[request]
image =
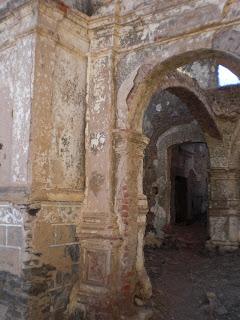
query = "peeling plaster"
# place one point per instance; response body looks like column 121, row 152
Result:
column 16, row 75
column 10, row 215
column 97, row 141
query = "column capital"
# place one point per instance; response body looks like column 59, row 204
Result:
column 122, row 136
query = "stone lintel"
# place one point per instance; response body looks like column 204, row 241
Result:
column 99, row 225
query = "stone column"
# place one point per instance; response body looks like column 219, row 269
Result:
column 224, row 208
column 98, row 230
column 144, row 287
column 98, row 218
column 131, row 208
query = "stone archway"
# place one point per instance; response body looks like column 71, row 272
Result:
column 180, row 85
column 134, row 92
column 133, row 96
column 130, row 145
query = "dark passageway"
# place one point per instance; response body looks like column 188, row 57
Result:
column 189, row 183
column 189, row 163
column 181, row 199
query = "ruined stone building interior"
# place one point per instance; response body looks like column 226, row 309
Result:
column 119, row 159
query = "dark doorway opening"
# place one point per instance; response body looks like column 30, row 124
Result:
column 181, row 199
column 189, row 191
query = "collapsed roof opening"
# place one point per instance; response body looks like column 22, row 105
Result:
column 226, row 77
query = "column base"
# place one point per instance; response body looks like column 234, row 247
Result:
column 84, row 311
column 222, row 246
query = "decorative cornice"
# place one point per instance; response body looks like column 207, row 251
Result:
column 80, row 21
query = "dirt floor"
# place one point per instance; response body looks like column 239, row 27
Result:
column 190, row 283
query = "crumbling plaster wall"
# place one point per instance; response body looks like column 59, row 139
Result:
column 15, row 178
column 124, row 7
column 58, row 156
column 43, row 96
column 8, row 6
column 16, row 89
column 92, row 7
column 204, row 71
column 16, row 95
column 59, row 163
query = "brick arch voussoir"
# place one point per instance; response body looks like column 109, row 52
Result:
column 181, row 85
column 225, row 50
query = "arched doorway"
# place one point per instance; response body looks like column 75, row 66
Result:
column 175, row 182
column 189, row 203
column 189, row 183
column 145, row 83
column 186, row 90
column 182, row 181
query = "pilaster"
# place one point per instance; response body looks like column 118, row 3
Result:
column 99, row 231
column 131, row 207
column 224, row 216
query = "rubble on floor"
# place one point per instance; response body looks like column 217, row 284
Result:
column 190, row 283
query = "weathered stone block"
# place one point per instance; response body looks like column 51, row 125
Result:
column 64, row 234
column 10, row 260
column 3, row 311
column 234, row 228
column 219, row 228
column 3, row 235
column 14, row 236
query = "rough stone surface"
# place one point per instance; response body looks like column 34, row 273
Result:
column 209, row 283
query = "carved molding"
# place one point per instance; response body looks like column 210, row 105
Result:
column 229, row 112
column 99, row 225
column 124, row 137
column 10, row 215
